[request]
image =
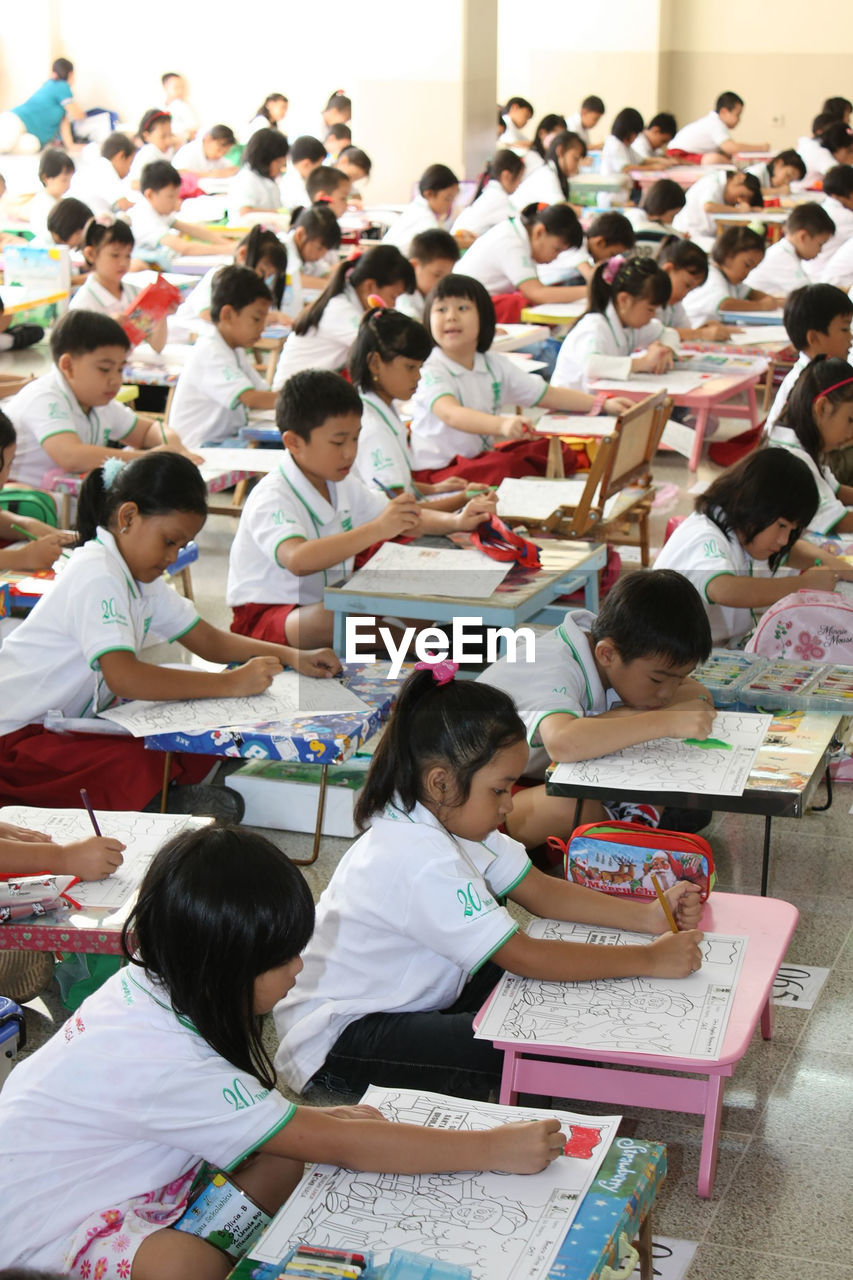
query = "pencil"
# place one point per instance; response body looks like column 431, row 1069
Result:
column 87, row 803
column 664, row 905
column 31, row 537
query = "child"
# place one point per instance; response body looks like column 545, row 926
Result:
column 263, row 253
column 66, row 223
column 836, row 146
column 811, row 151
column 439, row 189
column 549, row 182
column 100, row 184
column 433, row 255
column 24, row 852
column 818, row 418
column 108, row 250
column 639, row 650
column 314, row 234
column 661, row 202
column 159, row 234
column 734, row 255
column 330, row 186
column 30, row 556
column 338, row 137
column 355, row 164
column 56, row 170
column 748, row 524
column 656, row 137
column 159, row 1053
column 463, row 387
column 270, row 113
column 505, row 259
column 218, row 385
column 491, row 203
column 687, row 267
column 324, row 331
column 184, row 119
column 80, row 649
column 517, row 115
column 807, row 230
column 338, row 110
column 304, row 523
column 206, row 155
column 48, row 111
column 618, row 154
column 155, row 135
column 838, row 109
column 584, row 121
column 777, row 174
column 255, row 188
column 306, row 154
column 709, row 140
column 388, row 990
column 546, row 131
column 838, row 189
column 624, row 296
column 608, row 235
column 817, row 320
column 719, row 192
column 67, row 418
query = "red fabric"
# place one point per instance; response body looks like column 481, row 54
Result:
column 684, row 157
column 262, row 621
column 727, row 452
column 48, row 769
column 509, row 306
column 609, row 577
column 526, row 457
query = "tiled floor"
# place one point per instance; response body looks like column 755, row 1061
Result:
column 781, row 1205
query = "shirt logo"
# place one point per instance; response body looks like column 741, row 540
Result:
column 110, row 612
column 711, row 550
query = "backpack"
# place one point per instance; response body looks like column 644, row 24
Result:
column 30, row 502
column 619, row 858
column 816, row 626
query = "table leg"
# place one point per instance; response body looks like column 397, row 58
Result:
column 508, row 1095
column 644, row 1248
column 765, row 862
column 699, row 438
column 752, row 406
column 767, row 1019
column 590, row 591
column 710, row 1135
column 164, row 791
column 822, row 808
column 318, row 826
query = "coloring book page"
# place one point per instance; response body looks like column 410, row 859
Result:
column 398, row 570
column 677, row 382
column 718, row 768
column 142, row 833
column 573, row 424
column 502, row 1226
column 672, row 1017
column 219, row 462
column 532, row 499
column 289, row 695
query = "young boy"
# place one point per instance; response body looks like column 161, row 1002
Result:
column 638, row 651
column 781, row 270
column 584, row 121
column 336, row 140
column 433, row 254
column 66, row 223
column 709, row 140
column 32, row 125
column 656, row 136
column 207, row 154
column 100, row 184
column 777, row 174
column 331, row 186
column 218, row 385
column 516, row 117
column 306, row 154
column 184, row 119
column 158, row 234
column 56, row 170
column 304, row 523
column 720, row 192
column 608, row 234
column 66, row 419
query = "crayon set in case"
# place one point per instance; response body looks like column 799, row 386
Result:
column 315, row 1262
column 750, row 680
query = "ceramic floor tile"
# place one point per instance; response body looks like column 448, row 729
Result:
column 811, row 1092
column 830, row 1023
column 714, row 1262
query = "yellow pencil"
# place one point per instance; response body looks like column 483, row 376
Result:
column 664, row 905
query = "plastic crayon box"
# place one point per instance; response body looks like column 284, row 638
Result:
column 750, row 680
column 309, row 1262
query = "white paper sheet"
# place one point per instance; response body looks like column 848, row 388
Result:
column 499, row 1225
column 563, row 310
column 671, row 764
column 575, row 424
column 289, row 695
column 533, row 499
column 678, row 382
column 429, row 571
column 756, row 333
column 253, row 461
column 677, row 1017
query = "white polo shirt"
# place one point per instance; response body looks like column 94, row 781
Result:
column 148, row 227
column 674, row 316
column 501, row 258
column 704, row 304
column 786, row 386
column 780, row 271
column 701, row 135
column 51, row 661
column 646, row 227
column 417, row 216
column 839, row 269
column 830, row 507
column 292, row 301
column 147, row 154
column 286, row 505
column 383, row 447
column 187, row 318
column 693, row 220
column 292, row 190
column 700, row 551
column 249, row 189
column 493, row 382
column 327, row 345
column 814, row 157
column 492, row 206
column 600, row 346
column 409, row 915
column 48, row 407
column 412, row 305
column 207, row 405
column 184, row 118
column 191, row 157
column 542, row 186
column 818, row 268
column 92, row 296
column 563, row 680
column 125, row 1098
column 98, row 185
column 644, row 149
column 617, row 157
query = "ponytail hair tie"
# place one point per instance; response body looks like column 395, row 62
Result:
column 354, row 256
column 443, row 670
column 105, row 219
column 542, row 205
column 374, row 300
column 322, row 198
column 111, row 470
column 611, row 267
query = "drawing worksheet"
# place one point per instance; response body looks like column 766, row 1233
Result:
column 289, row 695
column 502, row 1226
column 677, row 383
column 252, row 461
column 532, row 499
column 718, row 768
column 677, row 1017
column 427, row 571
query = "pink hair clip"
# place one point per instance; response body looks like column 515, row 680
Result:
column 611, row 267
column 105, row 219
column 442, row 670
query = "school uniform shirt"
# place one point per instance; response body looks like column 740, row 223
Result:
column 830, row 507
column 207, row 405
column 617, row 156
column 149, row 227
column 98, row 185
column 409, row 915
column 249, row 189
column 51, row 661
column 703, row 304
column 146, row 154
column 492, row 206
column 532, row 161
column 762, row 173
column 191, row 157
column 187, row 319
column 839, row 269
column 327, row 345
column 785, row 388
column 644, row 149
column 692, row 220
column 819, row 268
column 673, row 315
column 286, row 505
column 493, row 382
column 48, row 407
column 540, row 187
column 292, row 190
column 565, row 268
column 125, row 1098
column 780, row 271
column 412, row 305
column 501, row 258
column 92, row 296
column 416, row 217
column 511, row 133
column 700, row 551
column 184, row 119
column 258, row 122
column 600, row 346
column 383, row 445
column 645, row 228
column 701, row 135
column 38, row 212
column 292, row 300
column 814, row 157
column 563, row 680
column 573, row 124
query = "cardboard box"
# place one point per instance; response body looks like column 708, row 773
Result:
column 284, row 795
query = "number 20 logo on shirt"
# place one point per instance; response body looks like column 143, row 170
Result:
column 470, row 900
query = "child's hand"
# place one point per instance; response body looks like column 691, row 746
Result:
column 690, row 719
column 400, row 516
column 94, row 858
column 513, row 427
column 454, row 483
column 255, row 676
column 685, row 901
column 475, row 512
column 675, row 955
column 614, row 405
column 316, row 662
column 714, row 331
column 817, row 579
column 10, row 832
column 770, row 303
column 41, row 554
column 525, row 1146
column 464, row 238
column 657, row 359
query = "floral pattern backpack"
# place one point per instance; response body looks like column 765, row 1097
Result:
column 813, row 626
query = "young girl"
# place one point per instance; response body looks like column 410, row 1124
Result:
column 254, row 190
column 108, row 250
column 491, row 203
column 505, row 259
column 734, row 254
column 410, row 935
column 546, row 131
column 746, row 526
column 80, row 649
column 314, row 233
column 171, row 1073
column 817, row 419
column 661, row 202
column 439, row 189
column 624, row 297
column 458, row 403
column 549, row 183
column 263, row 253
column 618, row 154
column 324, row 332
column 155, row 136
column 270, row 113
column 687, row 267
column 47, row 543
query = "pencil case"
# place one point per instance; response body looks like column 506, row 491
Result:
column 621, row 858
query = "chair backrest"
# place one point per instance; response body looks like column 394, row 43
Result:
column 636, row 438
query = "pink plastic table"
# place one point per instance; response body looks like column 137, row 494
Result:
column 554, row 1070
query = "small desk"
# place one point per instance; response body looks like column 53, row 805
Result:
column 684, row 174
column 69, row 486
column 773, row 220
column 778, row 353
column 21, row 297
column 768, row 924
column 560, row 314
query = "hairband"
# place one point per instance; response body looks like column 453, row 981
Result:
column 843, row 383
column 111, row 470
column 611, row 266
column 443, row 670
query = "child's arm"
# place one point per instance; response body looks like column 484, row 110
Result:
column 256, row 399
column 90, row 859
column 568, row 401
column 68, row 451
column 712, row 331
column 470, row 517
column 41, row 554
column 845, row 495
column 554, row 899
column 568, row 737
column 8, row 532
column 216, row 645
column 195, row 231
column 128, row 677
column 152, row 433
column 732, row 148
column 536, row 292
column 448, row 410
column 808, row 555
column 302, row 556
column 740, row 592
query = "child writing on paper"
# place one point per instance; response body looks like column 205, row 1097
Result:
column 735, row 253
column 687, row 267
column 314, row 234
column 709, row 140
column 306, row 154
column 159, row 234
column 25, row 852
column 584, row 121
column 254, row 189
column 838, row 190
column 638, row 651
column 81, row 649
column 304, row 523
column 808, row 229
column 491, row 203
column 546, row 131
column 624, row 297
column 160, row 1066
column 607, row 235
column 747, row 525
column 100, row 183
column 656, row 136
column 47, row 543
column 719, row 192
column 505, row 259
column 337, row 138
column 206, row 155
column 108, row 249
column 262, row 252
column 464, row 387
column 66, row 223
column 549, row 182
column 517, row 115
column 411, row 935
column 439, row 188
column 776, row 175
column 433, row 255
column 618, row 154
column 661, row 202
